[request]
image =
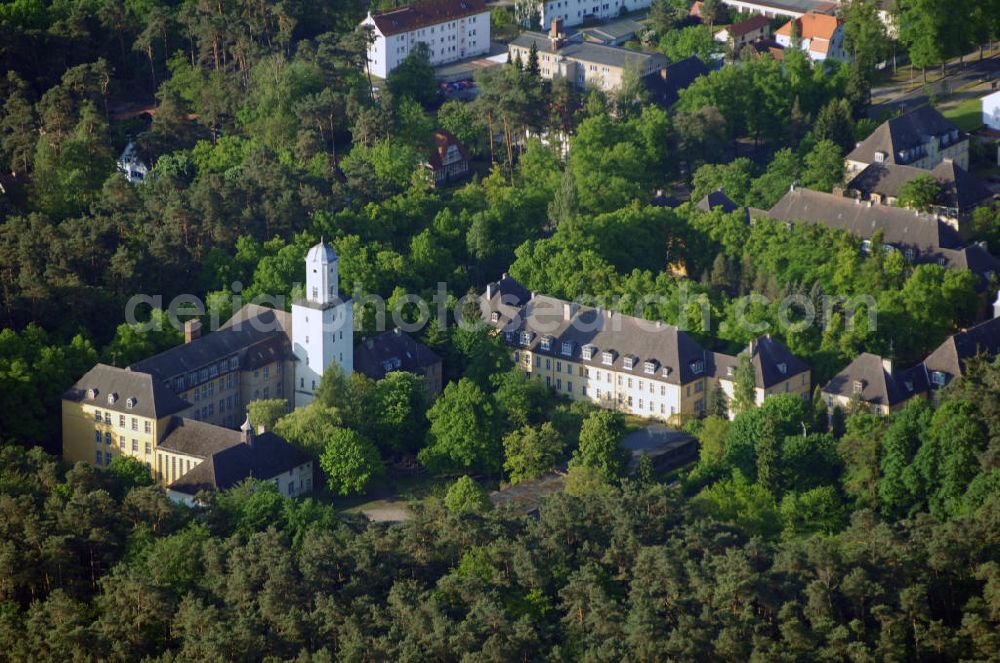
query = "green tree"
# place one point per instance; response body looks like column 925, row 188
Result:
column 823, row 167
column 463, row 432
column 819, row 510
column 465, row 495
column 414, row 77
column 865, row 35
column 836, row 124
column 349, row 461
column 744, row 385
column 601, row 445
column 530, row 452
column 920, row 193
column 267, row 412
column 129, row 473
column 693, row 40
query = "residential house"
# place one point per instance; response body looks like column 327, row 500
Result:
column 921, row 238
column 991, row 110
column 132, row 165
column 738, row 35
column 719, row 200
column 960, row 191
column 873, row 382
column 575, row 12
column 394, row 350
column 876, row 384
column 646, row 368
column 820, row 36
column 922, row 138
column 451, row 29
column 449, row 160
column 583, row 63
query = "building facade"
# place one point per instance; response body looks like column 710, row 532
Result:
column 640, row 367
column 451, row 29
column 922, row 138
column 820, row 36
column 583, row 63
column 322, row 325
column 576, row 12
column 395, row 350
column 991, row 110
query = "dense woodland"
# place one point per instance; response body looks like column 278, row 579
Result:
column 794, row 537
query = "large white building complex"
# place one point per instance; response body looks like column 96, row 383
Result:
column 451, row 29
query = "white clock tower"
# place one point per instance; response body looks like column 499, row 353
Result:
column 322, row 325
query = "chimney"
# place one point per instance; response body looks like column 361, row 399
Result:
column 753, row 346
column 246, row 432
column 192, row 330
column 887, row 365
column 838, row 191
column 567, row 311
column 792, row 187
column 491, row 290
column 663, row 73
column 556, row 29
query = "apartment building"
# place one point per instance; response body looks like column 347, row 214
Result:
column 641, row 367
column 575, row 12
column 451, row 29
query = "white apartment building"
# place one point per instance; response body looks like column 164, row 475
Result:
column 451, row 29
column 575, row 12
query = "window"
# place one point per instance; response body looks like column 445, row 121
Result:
column 107, row 439
column 97, row 415
column 267, row 372
column 135, row 445
column 607, row 358
column 588, row 351
column 699, row 387
column 121, row 443
column 149, row 447
column 937, row 377
column 135, row 424
column 97, row 436
column 121, row 421
column 495, row 316
column 147, row 427
column 97, row 457
column 130, row 403
column 627, row 362
column 569, row 387
column 546, row 343
column 234, row 363
column 782, row 368
column 567, row 348
column 697, row 367
column 526, row 337
column 649, row 367
column 859, row 386
column 558, row 367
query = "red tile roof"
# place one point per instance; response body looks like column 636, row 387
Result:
column 422, row 14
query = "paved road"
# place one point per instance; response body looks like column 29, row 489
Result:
column 973, row 72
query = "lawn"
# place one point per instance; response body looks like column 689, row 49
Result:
column 967, row 115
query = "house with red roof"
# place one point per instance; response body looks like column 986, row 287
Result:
column 820, row 36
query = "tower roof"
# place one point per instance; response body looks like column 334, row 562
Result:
column 322, row 252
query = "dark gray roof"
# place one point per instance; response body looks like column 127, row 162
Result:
column 774, row 363
column 901, row 138
column 959, row 189
column 197, row 438
column 267, row 457
column 666, row 84
column 375, row 356
column 717, row 199
column 610, row 56
column 246, row 329
column 152, row 399
column 879, row 386
column 950, row 357
column 673, row 352
column 421, row 14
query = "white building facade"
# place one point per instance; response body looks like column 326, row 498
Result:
column 322, row 325
column 575, row 12
column 452, row 30
column 991, row 110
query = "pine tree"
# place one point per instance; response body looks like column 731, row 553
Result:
column 644, row 472
column 533, row 70
column 745, row 387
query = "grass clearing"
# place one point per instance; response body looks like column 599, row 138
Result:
column 967, row 115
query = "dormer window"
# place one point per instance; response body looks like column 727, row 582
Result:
column 130, row 403
column 782, row 368
column 649, row 367
column 880, row 157
column 937, row 377
column 698, row 367
column 92, row 393
column 628, row 362
column 666, row 371
column 730, row 371
column 910, row 254
column 495, row 316
column 859, row 386
column 391, row 364
column 588, row 352
column 546, row 343
column 526, row 337
column 866, row 246
column 112, row 397
column 567, row 348
column 607, row 358
column 908, row 385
